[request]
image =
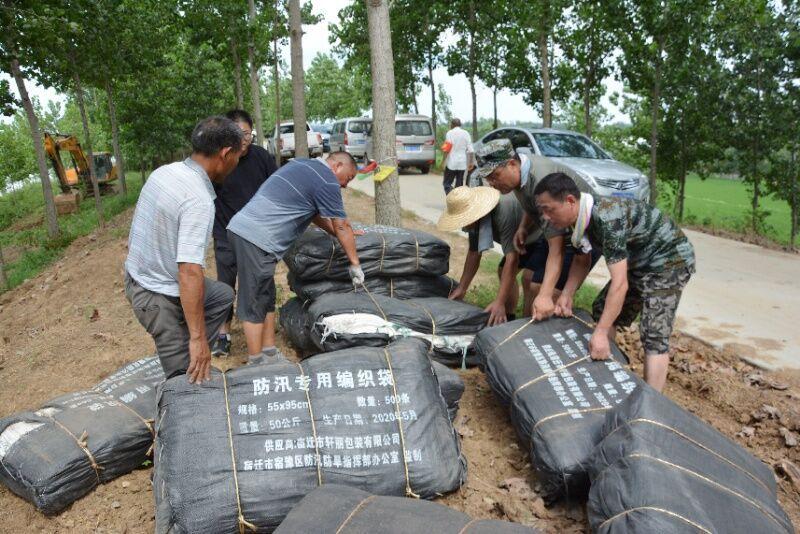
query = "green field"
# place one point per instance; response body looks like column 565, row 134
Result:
column 717, row 203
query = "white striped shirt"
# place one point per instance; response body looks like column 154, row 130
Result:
column 172, row 224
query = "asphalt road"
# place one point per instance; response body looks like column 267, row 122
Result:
column 743, row 298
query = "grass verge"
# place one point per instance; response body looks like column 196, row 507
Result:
column 26, row 246
column 482, row 295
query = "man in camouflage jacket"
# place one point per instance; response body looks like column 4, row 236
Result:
column 540, row 246
column 649, row 258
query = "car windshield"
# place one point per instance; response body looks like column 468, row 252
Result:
column 412, row 128
column 289, row 128
column 358, row 127
column 568, row 146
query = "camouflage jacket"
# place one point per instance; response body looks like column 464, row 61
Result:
column 629, row 229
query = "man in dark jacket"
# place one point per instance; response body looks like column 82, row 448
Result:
column 255, row 166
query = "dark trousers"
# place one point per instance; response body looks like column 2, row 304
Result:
column 449, row 177
column 226, row 267
column 162, row 317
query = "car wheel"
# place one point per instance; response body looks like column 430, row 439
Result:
column 425, row 169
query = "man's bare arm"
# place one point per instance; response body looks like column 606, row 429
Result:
column 344, row 233
column 471, row 264
column 615, row 298
column 191, row 282
column 325, row 224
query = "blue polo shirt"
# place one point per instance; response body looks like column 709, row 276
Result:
column 284, row 205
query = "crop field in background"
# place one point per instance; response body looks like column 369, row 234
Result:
column 717, row 203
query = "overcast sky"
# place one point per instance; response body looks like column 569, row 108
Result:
column 509, row 106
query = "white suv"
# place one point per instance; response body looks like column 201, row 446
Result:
column 285, row 142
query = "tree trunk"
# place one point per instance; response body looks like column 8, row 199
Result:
column 793, row 175
column 433, row 93
column 587, row 107
column 112, row 114
column 474, row 108
column 655, row 104
column 544, row 59
column 277, row 81
column 414, row 102
column 143, row 169
column 387, row 192
column 298, row 81
column 41, row 159
column 756, row 146
column 472, row 68
column 494, row 102
column 756, row 198
column 255, row 90
column 3, row 278
column 87, row 136
column 237, row 73
column 681, row 193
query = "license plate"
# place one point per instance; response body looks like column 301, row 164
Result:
column 413, row 148
column 622, row 194
column 361, row 141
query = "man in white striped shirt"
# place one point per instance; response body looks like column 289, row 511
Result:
column 164, row 280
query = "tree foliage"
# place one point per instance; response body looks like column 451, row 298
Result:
column 334, row 91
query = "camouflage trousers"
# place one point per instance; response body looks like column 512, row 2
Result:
column 656, row 297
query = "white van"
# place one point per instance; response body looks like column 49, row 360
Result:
column 414, row 142
column 350, row 135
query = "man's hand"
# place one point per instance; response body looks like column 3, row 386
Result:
column 199, row 361
column 458, row 293
column 497, row 313
column 543, row 307
column 356, row 274
column 599, row 347
column 564, row 306
column 520, row 237
column 358, row 232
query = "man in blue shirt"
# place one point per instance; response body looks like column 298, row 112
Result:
column 302, row 191
column 255, row 166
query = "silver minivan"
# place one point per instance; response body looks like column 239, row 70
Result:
column 350, row 135
column 414, row 142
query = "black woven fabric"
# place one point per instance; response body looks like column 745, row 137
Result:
column 333, row 509
column 382, row 251
column 557, row 395
column 40, row 457
column 366, row 433
column 435, row 316
column 399, row 287
column 661, row 469
column 293, row 322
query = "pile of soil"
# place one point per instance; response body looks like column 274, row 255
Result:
column 70, row 326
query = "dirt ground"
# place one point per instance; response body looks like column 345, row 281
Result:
column 71, row 326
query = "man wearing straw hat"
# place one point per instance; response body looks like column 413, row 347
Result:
column 490, row 217
column 541, row 246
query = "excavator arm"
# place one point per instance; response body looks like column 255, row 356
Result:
column 78, row 175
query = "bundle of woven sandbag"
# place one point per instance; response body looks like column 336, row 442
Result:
column 404, row 295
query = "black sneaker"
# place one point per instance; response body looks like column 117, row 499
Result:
column 221, row 346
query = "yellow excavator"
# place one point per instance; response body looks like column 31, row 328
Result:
column 77, row 176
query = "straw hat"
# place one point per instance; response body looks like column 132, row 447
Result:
column 465, row 205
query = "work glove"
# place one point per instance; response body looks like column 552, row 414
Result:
column 356, row 275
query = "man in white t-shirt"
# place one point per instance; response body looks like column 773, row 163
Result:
column 460, row 156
